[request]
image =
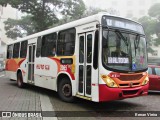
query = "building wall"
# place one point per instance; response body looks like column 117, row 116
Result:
column 2, row 53
column 5, row 13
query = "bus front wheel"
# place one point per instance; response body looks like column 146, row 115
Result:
column 65, row 90
column 20, row 80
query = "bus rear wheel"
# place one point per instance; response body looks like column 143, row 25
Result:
column 65, row 90
column 20, row 80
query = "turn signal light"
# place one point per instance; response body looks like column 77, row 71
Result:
column 104, row 76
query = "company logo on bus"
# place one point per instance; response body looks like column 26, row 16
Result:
column 131, row 84
column 42, row 67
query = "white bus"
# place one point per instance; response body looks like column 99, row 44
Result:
column 98, row 58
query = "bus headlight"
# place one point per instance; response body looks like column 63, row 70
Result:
column 109, row 81
column 146, row 80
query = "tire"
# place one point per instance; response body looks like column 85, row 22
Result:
column 65, row 90
column 20, row 80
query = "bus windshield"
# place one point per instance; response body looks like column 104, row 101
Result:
column 124, row 51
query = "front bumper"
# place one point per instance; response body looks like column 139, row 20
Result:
column 109, row 94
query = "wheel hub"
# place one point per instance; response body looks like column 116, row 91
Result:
column 66, row 90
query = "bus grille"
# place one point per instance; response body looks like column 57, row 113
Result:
column 131, row 77
column 128, row 85
column 130, row 92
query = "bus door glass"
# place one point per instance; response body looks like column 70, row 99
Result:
column 31, row 59
column 85, row 63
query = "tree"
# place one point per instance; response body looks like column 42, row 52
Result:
column 73, row 9
column 149, row 25
column 19, row 28
column 93, row 10
column 154, row 11
column 41, row 10
column 43, row 13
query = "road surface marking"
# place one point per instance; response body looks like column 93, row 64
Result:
column 46, row 106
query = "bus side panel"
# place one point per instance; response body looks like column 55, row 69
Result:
column 11, row 68
column 46, row 71
column 12, row 65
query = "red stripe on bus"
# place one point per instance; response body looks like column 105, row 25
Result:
column 20, row 62
column 58, row 65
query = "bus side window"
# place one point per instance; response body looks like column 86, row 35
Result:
column 23, row 51
column 39, row 42
column 9, row 51
column 16, row 50
column 49, row 45
column 66, row 42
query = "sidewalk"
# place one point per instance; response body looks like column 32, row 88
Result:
column 13, row 98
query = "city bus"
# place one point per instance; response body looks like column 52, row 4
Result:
column 98, row 58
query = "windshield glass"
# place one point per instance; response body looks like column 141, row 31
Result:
column 124, row 51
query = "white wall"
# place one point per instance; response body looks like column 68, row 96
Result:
column 8, row 12
column 5, row 13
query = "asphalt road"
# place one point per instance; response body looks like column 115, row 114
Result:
column 87, row 110
column 119, row 108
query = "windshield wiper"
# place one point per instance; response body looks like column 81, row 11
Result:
column 126, row 41
column 121, row 36
column 136, row 42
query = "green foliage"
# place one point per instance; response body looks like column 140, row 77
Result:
column 19, row 28
column 154, row 11
column 151, row 26
column 92, row 11
column 73, row 9
column 40, row 11
column 43, row 13
column 148, row 26
column 157, row 41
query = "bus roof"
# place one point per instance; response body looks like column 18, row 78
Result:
column 93, row 18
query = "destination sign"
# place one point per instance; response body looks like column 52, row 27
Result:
column 118, row 60
column 122, row 23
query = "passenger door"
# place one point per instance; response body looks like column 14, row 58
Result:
column 30, row 62
column 85, row 63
